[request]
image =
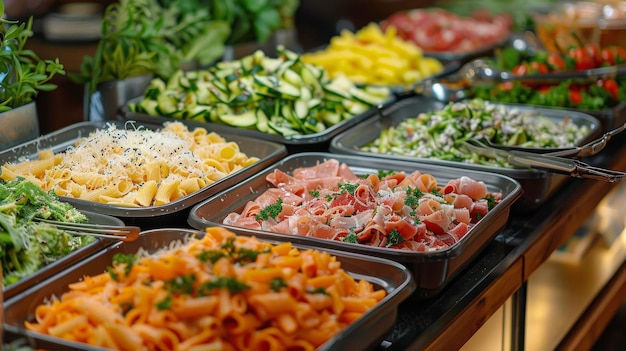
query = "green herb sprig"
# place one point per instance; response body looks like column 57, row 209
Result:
column 23, row 74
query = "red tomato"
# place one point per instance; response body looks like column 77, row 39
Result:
column 520, row 70
column 620, row 54
column 612, row 55
column 610, row 86
column 582, row 58
column 575, row 97
column 538, row 68
column 555, row 62
column 608, row 56
column 506, row 86
column 594, row 52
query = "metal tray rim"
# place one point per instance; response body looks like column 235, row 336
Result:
column 379, row 314
column 404, row 255
column 277, row 151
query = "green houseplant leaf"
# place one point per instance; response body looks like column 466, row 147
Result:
column 24, row 74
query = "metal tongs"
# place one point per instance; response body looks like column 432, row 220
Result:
column 574, row 168
column 123, row 233
column 480, row 72
column 587, row 150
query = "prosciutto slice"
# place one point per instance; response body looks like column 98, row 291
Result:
column 398, row 211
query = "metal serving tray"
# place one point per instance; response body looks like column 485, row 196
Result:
column 365, row 333
column 172, row 214
column 431, row 270
column 64, row 262
column 298, row 143
column 538, row 185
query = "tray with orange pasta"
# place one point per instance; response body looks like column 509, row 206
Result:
column 145, row 174
column 431, row 218
column 183, row 289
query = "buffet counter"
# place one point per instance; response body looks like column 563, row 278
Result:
column 501, row 272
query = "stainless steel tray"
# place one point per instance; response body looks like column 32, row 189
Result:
column 174, row 213
column 431, row 270
column 538, row 185
column 298, row 143
column 65, row 262
column 364, row 333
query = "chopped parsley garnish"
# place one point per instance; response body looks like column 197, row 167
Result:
column 384, row 173
column 329, row 198
column 272, row 210
column 129, row 260
column 164, row 304
column 411, row 201
column 394, row 238
column 232, row 284
column 347, row 187
column 182, row 284
column 277, row 283
column 210, row 255
column 314, row 193
column 351, row 238
column 491, row 201
column 229, row 250
column 436, row 193
column 414, row 191
column 317, row 291
column 113, row 274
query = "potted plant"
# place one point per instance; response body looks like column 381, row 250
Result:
column 142, row 39
column 22, row 76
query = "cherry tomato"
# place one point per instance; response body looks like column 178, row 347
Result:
column 608, row 57
column 575, row 97
column 620, row 54
column 520, row 70
column 612, row 55
column 506, row 86
column 594, row 51
column 610, row 86
column 538, row 68
column 555, row 62
column 582, row 58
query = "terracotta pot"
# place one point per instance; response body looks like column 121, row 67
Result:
column 19, row 125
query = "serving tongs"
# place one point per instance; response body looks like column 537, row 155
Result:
column 587, row 150
column 123, row 233
column 480, row 72
column 574, row 168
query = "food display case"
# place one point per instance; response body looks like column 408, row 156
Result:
column 437, row 300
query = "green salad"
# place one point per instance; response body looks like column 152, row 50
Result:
column 440, row 134
column 27, row 245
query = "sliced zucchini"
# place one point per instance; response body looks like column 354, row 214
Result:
column 261, row 121
column 301, row 109
column 293, row 78
column 148, row 106
column 281, row 127
column 242, row 120
column 364, row 97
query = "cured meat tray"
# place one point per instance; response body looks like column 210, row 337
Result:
column 65, row 262
column 148, row 217
column 364, row 333
column 431, row 270
column 538, row 185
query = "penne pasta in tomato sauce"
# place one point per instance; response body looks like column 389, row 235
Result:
column 217, row 292
column 397, row 210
